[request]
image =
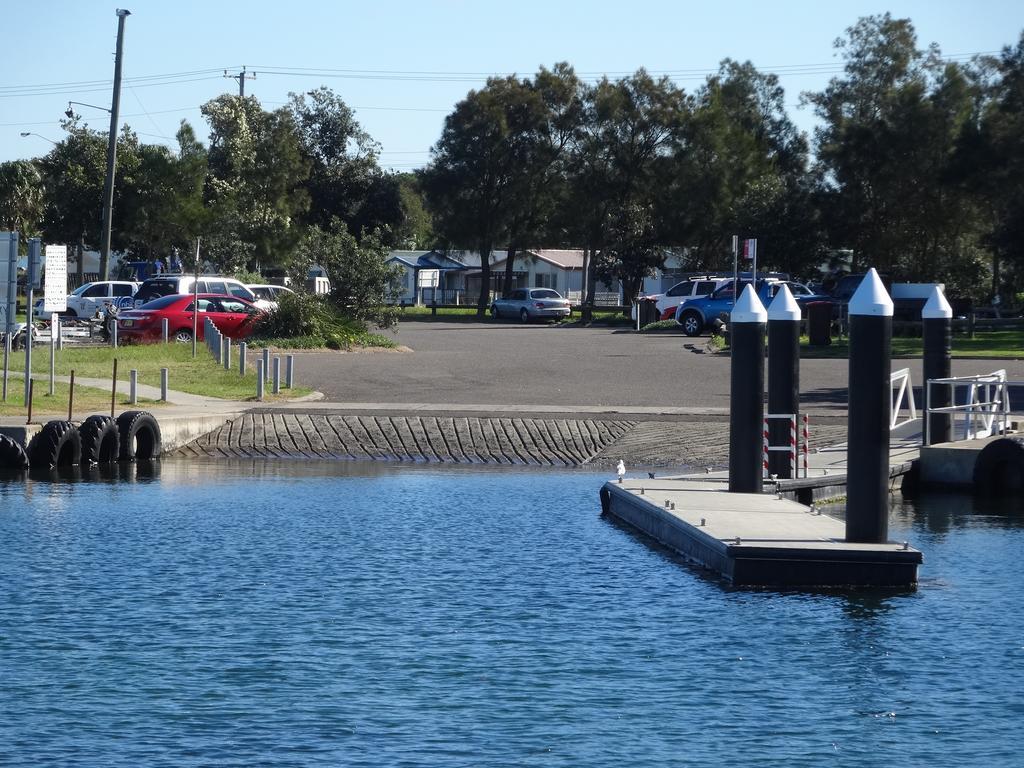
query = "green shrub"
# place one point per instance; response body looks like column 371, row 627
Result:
column 305, row 314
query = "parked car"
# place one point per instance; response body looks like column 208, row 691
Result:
column 170, row 285
column 233, row 316
column 267, row 295
column 691, row 288
column 88, row 298
column 530, row 303
column 696, row 314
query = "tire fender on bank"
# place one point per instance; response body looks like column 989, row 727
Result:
column 140, row 436
column 101, row 440
column 999, row 468
column 12, row 454
column 57, row 444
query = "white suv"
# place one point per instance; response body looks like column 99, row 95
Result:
column 168, row 285
column 85, row 300
column 691, row 288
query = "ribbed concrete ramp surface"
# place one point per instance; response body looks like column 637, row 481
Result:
column 461, row 440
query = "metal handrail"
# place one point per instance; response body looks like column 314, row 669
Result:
column 906, row 392
column 988, row 400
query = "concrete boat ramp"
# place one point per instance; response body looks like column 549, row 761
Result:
column 766, row 539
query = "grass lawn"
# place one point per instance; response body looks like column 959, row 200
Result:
column 199, row 376
column 45, row 406
column 1006, row 344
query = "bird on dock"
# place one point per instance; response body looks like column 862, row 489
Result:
column 650, row 475
column 620, row 470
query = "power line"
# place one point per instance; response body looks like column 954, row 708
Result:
column 213, row 73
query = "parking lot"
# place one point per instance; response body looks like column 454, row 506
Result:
column 505, row 363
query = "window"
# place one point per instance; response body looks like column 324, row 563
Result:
column 123, row 289
column 704, row 287
column 239, row 291
column 95, row 290
column 263, row 292
column 231, row 305
column 544, row 280
column 163, row 302
column 545, row 294
column 680, row 289
column 213, row 286
column 519, row 295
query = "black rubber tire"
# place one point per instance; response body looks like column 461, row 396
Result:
column 692, row 323
column 999, row 468
column 524, row 315
column 140, row 436
column 182, row 336
column 57, row 444
column 12, row 454
column 101, row 440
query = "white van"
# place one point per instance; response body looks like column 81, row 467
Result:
column 85, row 300
column 168, row 285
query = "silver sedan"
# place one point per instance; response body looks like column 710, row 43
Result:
column 530, row 303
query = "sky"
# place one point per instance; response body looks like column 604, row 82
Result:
column 402, row 66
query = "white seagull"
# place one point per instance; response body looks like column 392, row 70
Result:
column 620, row 470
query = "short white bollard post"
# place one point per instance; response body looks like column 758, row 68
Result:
column 133, row 386
column 277, row 376
column 266, row 364
column 163, row 384
column 259, row 380
column 227, row 353
column 163, row 329
column 289, row 371
column 242, row 348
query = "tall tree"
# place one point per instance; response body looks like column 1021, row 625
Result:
column 991, row 160
column 21, row 197
column 891, row 127
column 163, row 206
column 345, row 180
column 255, row 184
column 619, row 159
column 476, row 166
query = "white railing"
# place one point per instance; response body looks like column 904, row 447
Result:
column 901, row 389
column 986, row 406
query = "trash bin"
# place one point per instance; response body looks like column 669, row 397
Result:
column 819, row 323
column 647, row 310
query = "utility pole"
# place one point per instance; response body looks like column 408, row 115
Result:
column 241, row 77
column 108, row 186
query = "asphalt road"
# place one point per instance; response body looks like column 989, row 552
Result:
column 489, row 363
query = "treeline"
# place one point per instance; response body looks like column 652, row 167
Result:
column 915, row 169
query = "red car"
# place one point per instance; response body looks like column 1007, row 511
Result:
column 234, row 317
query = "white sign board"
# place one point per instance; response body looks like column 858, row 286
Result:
column 8, row 277
column 429, row 278
column 55, row 291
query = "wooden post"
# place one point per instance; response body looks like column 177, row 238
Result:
column 29, row 419
column 113, row 390
column 71, row 396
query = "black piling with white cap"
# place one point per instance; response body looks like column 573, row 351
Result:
column 867, row 474
column 783, row 376
column 746, row 394
column 937, row 319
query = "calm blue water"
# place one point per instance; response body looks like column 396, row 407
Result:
column 339, row 615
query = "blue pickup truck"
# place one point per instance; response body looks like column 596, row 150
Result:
column 696, row 314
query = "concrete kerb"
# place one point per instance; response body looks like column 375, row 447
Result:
column 182, row 419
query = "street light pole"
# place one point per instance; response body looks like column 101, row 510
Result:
column 108, row 186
